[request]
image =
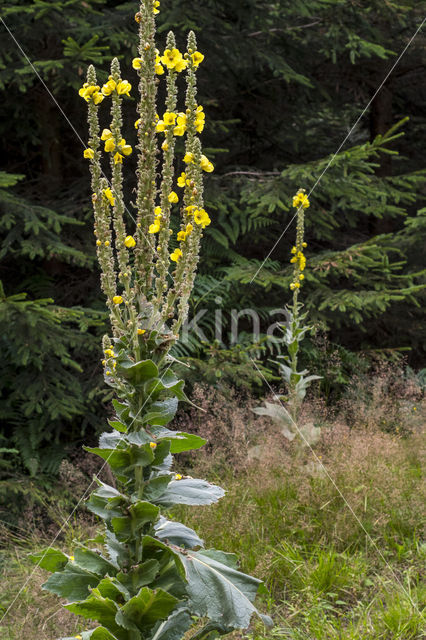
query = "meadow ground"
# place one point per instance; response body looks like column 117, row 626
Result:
column 336, row 535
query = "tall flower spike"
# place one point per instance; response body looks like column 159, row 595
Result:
column 169, row 119
column 147, row 148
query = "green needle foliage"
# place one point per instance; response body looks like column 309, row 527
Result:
column 146, row 576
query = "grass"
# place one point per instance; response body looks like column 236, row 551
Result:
column 333, row 571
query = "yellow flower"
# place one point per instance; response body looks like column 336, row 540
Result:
column 98, row 243
column 181, row 119
column 300, row 199
column 89, row 153
column 130, row 242
column 137, row 123
column 182, row 179
column 158, row 212
column 206, row 165
column 109, row 353
column 160, row 126
column 179, row 130
column 165, row 146
column 199, row 119
column 78, row 637
column 124, row 148
column 189, row 228
column 153, row 445
column 159, row 70
column 71, row 558
column 171, row 57
column 293, row 250
column 181, row 65
column 169, row 118
column 197, row 57
column 109, row 145
column 109, row 196
column 90, row 92
column 155, row 7
column 106, row 134
column 188, row 158
column 141, row 332
column 190, row 209
column 173, row 197
column 301, row 277
column 117, row 299
column 294, row 259
column 106, row 243
column 176, row 255
column 154, row 228
column 109, row 86
column 304, row 244
column 201, row 217
column 178, row 476
column 137, row 63
column 118, row 158
column 181, row 236
column 123, row 88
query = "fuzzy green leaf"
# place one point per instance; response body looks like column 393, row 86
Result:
column 180, row 441
column 219, row 591
column 101, row 609
column 93, row 562
column 146, row 608
column 140, row 514
column 137, row 372
column 192, row 491
column 161, row 412
column 140, row 576
column 49, row 559
column 177, row 533
column 174, row 627
column 73, row 583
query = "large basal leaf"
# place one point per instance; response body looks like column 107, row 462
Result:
column 180, row 441
column 177, row 533
column 174, row 627
column 101, row 609
column 145, row 609
column 220, row 592
column 49, row 559
column 72, row 583
column 192, row 491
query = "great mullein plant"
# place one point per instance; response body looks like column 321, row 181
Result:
column 146, row 576
column 286, row 412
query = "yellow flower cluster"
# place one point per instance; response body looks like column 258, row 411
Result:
column 121, row 149
column 300, row 199
column 122, row 87
column 300, row 259
column 182, row 235
column 205, row 163
column 173, row 197
column 159, row 69
column 155, row 227
column 155, row 6
column 183, row 180
column 91, row 92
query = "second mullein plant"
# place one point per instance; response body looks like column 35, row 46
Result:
column 286, row 412
column 146, row 576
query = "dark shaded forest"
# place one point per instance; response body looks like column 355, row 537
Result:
column 325, row 95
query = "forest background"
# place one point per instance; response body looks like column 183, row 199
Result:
column 283, row 83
